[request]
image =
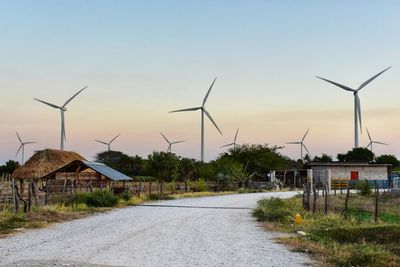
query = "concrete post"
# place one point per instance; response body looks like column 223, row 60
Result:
column 310, row 179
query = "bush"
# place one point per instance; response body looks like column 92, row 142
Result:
column 162, row 196
column 200, row 185
column 364, row 188
column 99, row 198
column 362, row 255
column 273, row 210
column 10, row 221
column 126, row 195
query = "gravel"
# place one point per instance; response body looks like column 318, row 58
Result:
column 186, row 232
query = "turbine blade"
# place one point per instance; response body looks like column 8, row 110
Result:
column 177, row 142
column 19, row 149
column 28, row 143
column 369, row 136
column 185, row 109
column 371, row 79
column 19, row 138
column 208, row 92
column 227, row 145
column 358, row 106
column 165, row 138
column 69, row 100
column 304, row 137
column 380, row 143
column 234, row 140
column 47, row 103
column 211, row 119
column 100, row 142
column 337, row 84
column 114, row 139
column 293, row 143
column 308, row 152
column 370, row 143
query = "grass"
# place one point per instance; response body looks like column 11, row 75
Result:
column 335, row 239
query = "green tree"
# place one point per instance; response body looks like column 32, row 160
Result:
column 388, row 159
column 9, row 167
column 238, row 172
column 323, row 158
column 359, row 154
column 120, row 162
column 163, row 166
column 186, row 170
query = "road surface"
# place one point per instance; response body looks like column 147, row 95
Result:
column 209, row 231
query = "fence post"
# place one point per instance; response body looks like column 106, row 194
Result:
column 346, row 202
column 14, row 196
column 326, row 199
column 376, row 201
column 304, row 196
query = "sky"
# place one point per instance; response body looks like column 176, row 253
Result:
column 142, row 59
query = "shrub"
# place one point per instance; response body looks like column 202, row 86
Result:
column 99, row 198
column 200, row 185
column 273, row 210
column 10, row 221
column 364, row 188
column 162, row 196
column 126, row 195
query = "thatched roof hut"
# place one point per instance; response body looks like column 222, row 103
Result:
column 44, row 162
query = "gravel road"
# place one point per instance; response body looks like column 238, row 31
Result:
column 209, row 231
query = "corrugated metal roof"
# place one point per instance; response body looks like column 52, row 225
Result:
column 107, row 171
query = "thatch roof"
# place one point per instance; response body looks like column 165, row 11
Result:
column 44, row 162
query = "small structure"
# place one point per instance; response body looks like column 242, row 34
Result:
column 81, row 174
column 328, row 171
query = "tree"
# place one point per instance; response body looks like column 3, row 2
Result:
column 163, row 166
column 323, row 158
column 120, row 162
column 359, row 154
column 388, row 159
column 186, row 170
column 9, row 167
column 238, row 172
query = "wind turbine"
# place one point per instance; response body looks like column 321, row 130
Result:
column 373, row 142
column 22, row 146
column 169, row 150
column 62, row 109
column 203, row 111
column 357, row 105
column 108, row 144
column 234, row 141
column 301, row 143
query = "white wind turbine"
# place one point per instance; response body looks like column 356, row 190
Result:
column 301, row 143
column 108, row 144
column 22, row 146
column 203, row 111
column 357, row 105
column 169, row 150
column 373, row 142
column 234, row 141
column 62, row 109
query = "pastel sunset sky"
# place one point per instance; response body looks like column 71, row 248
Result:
column 142, row 59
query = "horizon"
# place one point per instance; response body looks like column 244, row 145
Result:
column 142, row 60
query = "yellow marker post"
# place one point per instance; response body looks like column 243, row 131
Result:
column 297, row 218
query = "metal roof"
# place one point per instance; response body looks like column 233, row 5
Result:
column 106, row 171
column 346, row 164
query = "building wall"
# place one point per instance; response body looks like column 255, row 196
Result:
column 364, row 172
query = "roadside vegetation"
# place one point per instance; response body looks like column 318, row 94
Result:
column 339, row 238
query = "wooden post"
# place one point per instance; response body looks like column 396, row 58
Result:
column 29, row 195
column 376, row 202
column 46, row 197
column 314, row 199
column 308, row 197
column 326, row 200
column 14, row 196
column 35, row 197
column 346, row 203
column 150, row 188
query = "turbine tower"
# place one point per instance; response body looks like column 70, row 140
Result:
column 357, row 105
column 22, row 146
column 203, row 111
column 62, row 109
column 108, row 144
column 169, row 150
column 301, row 143
column 373, row 142
column 234, row 141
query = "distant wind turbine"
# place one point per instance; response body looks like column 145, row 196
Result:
column 301, row 143
column 203, row 111
column 357, row 104
column 373, row 142
column 62, row 109
column 108, row 144
column 234, row 141
column 169, row 150
column 22, row 146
